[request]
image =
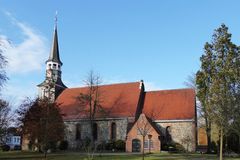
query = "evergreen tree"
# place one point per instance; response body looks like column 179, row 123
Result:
column 203, row 82
column 217, row 83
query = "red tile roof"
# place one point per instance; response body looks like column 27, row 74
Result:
column 170, row 104
column 119, row 100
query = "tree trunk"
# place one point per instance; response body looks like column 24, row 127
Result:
column 209, row 141
column 143, row 148
column 221, row 145
column 45, row 154
column 239, row 143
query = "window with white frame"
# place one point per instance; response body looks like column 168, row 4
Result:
column 148, row 143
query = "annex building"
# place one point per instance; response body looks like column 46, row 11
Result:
column 169, row 114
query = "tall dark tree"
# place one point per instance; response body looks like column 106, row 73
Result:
column 41, row 123
column 203, row 81
column 216, row 81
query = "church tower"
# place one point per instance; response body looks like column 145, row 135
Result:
column 52, row 86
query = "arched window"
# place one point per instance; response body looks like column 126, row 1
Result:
column 113, row 131
column 78, row 132
column 136, row 145
column 95, row 131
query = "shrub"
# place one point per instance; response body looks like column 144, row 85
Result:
column 86, row 142
column 51, row 146
column 164, row 147
column 17, row 147
column 110, row 145
column 175, row 147
column 120, row 145
column 101, row 146
column 63, row 145
column 179, row 147
column 214, row 148
column 5, row 147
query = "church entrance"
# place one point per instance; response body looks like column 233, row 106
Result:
column 136, row 145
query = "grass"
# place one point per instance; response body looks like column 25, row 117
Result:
column 80, row 156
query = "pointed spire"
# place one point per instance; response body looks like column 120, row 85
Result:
column 54, row 54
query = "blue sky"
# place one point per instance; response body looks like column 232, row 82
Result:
column 124, row 41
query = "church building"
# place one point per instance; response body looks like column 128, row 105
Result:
column 169, row 114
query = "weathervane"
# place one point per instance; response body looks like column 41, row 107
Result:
column 56, row 19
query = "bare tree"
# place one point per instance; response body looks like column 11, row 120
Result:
column 191, row 81
column 90, row 104
column 3, row 63
column 143, row 128
column 4, row 106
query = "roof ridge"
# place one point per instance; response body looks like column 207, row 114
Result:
column 123, row 83
column 179, row 89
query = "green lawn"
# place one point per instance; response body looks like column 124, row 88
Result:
column 120, row 156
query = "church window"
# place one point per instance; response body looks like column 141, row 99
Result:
column 95, row 131
column 151, row 143
column 113, row 131
column 78, row 132
column 148, row 143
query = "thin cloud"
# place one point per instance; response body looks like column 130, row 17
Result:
column 29, row 54
column 150, row 86
column 15, row 93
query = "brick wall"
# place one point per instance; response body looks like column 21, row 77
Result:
column 134, row 134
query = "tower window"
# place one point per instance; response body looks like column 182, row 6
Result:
column 54, row 66
column 49, row 66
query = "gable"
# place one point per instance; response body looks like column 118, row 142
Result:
column 144, row 124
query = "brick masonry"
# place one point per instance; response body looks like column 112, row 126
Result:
column 134, row 134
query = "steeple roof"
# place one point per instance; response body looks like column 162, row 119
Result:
column 54, row 53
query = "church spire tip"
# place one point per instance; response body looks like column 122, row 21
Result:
column 54, row 54
column 55, row 20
